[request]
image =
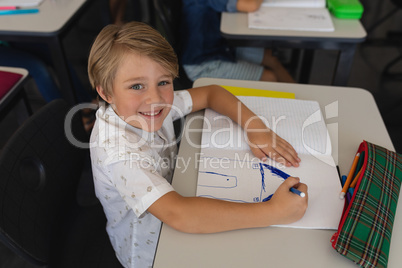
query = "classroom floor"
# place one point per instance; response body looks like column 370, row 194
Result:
column 367, row 73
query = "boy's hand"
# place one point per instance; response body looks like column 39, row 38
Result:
column 289, row 207
column 264, row 143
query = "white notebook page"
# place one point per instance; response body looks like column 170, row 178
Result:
column 289, row 18
column 294, row 3
column 229, row 171
column 299, row 122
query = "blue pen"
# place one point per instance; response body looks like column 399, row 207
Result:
column 343, row 179
column 283, row 175
column 351, row 191
column 295, row 191
column 19, row 11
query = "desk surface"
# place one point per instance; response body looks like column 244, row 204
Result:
column 235, row 25
column 52, row 17
column 358, row 119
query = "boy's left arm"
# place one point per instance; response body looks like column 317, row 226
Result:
column 263, row 141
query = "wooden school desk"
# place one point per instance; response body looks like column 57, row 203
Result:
column 351, row 117
column 347, row 34
column 48, row 26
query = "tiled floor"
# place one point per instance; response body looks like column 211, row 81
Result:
column 369, row 63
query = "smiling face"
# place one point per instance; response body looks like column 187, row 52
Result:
column 142, row 93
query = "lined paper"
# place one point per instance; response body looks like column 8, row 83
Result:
column 294, row 3
column 299, row 122
column 290, row 18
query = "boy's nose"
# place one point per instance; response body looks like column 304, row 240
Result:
column 153, row 96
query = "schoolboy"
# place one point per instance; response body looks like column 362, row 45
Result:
column 206, row 53
column 132, row 68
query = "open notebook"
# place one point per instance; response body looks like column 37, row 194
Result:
column 294, row 3
column 229, row 171
column 297, row 15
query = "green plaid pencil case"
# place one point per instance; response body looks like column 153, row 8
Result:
column 365, row 229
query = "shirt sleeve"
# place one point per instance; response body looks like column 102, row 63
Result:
column 231, row 6
column 222, row 5
column 138, row 183
column 182, row 104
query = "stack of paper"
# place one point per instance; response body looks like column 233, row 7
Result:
column 308, row 15
column 294, row 3
column 229, row 171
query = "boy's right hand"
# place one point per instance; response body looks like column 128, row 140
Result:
column 289, row 207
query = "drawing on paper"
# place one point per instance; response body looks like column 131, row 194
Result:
column 255, row 185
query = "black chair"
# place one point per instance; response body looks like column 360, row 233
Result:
column 398, row 37
column 167, row 19
column 393, row 38
column 41, row 220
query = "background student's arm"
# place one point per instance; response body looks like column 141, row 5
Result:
column 205, row 215
column 233, row 5
column 248, row 5
column 263, row 141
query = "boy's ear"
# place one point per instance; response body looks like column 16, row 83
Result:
column 102, row 94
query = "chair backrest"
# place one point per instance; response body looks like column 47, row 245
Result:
column 39, row 172
column 168, row 14
column 398, row 3
column 167, row 19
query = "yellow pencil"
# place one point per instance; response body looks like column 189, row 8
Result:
column 349, row 178
column 354, row 182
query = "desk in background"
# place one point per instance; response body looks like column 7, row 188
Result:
column 49, row 26
column 347, row 34
column 358, row 119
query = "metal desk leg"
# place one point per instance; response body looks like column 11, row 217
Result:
column 61, row 67
column 343, row 65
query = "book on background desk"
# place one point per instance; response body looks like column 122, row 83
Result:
column 229, row 171
column 294, row 3
column 7, row 81
column 307, row 15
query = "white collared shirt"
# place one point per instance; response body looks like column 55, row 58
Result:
column 132, row 169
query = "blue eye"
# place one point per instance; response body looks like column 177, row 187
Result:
column 163, row 83
column 137, row 86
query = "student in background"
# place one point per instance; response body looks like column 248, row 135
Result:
column 133, row 147
column 36, row 67
column 205, row 53
column 34, row 58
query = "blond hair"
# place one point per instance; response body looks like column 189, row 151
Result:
column 113, row 42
